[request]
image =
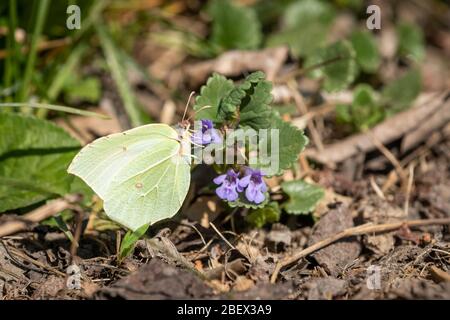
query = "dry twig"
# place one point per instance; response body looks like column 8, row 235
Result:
column 37, row 215
column 393, row 128
column 354, row 231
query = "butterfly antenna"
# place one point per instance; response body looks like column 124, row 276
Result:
column 187, row 105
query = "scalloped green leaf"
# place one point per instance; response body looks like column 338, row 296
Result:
column 305, row 27
column 305, row 12
column 217, row 88
column 411, row 41
column 255, row 111
column 234, row 100
column 291, row 141
column 335, row 64
column 366, row 51
column 303, row 196
column 262, row 216
column 34, row 156
column 244, row 203
column 234, row 26
column 365, row 109
column 400, row 93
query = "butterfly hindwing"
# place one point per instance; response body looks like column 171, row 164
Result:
column 159, row 191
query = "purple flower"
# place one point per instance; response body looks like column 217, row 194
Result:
column 256, row 187
column 229, row 185
column 206, row 134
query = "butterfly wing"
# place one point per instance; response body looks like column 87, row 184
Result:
column 140, row 174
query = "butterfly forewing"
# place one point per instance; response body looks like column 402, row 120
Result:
column 139, row 174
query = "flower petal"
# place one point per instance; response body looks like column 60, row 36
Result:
column 250, row 193
column 206, row 139
column 215, row 137
column 232, row 195
column 259, row 197
column 222, row 192
column 220, row 179
column 263, row 187
column 243, row 182
column 207, row 124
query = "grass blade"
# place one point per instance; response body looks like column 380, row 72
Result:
column 119, row 76
column 92, row 17
column 55, row 108
column 29, row 68
column 63, row 74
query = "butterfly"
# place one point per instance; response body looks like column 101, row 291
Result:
column 142, row 175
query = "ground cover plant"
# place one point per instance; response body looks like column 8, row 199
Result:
column 292, row 149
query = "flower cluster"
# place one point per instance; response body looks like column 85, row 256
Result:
column 231, row 185
column 206, row 134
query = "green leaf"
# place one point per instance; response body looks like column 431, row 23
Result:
column 343, row 113
column 303, row 196
column 241, row 95
column 336, row 64
column 304, row 12
column 288, row 109
column 255, row 111
column 301, row 41
column 306, row 25
column 244, row 203
column 87, row 89
column 211, row 94
column 34, row 156
column 411, row 41
column 129, row 241
column 366, row 50
column 59, row 222
column 262, row 216
column 233, row 26
column 290, row 142
column 399, row 94
column 365, row 108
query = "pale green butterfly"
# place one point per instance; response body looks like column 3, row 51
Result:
column 142, row 175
